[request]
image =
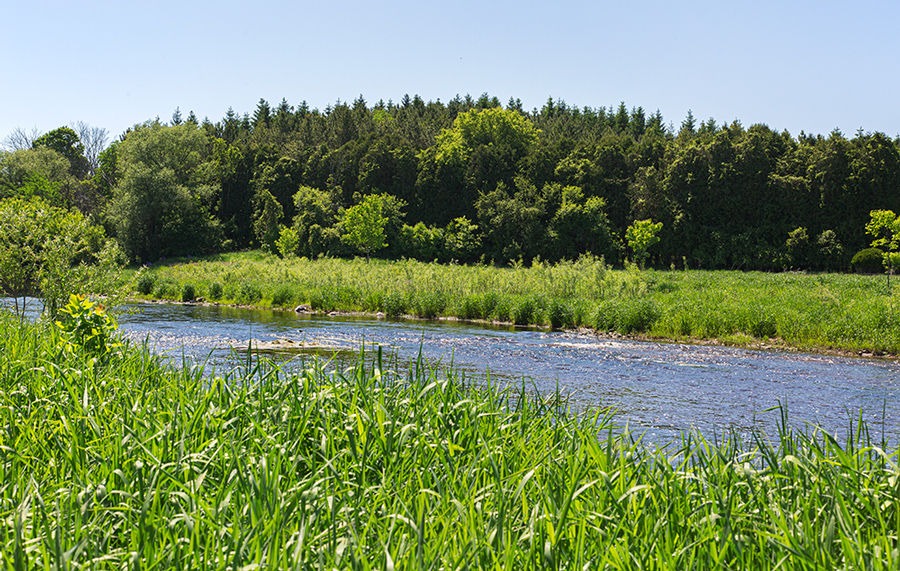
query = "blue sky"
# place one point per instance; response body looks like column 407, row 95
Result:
column 810, row 66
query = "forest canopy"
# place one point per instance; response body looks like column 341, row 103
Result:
column 468, row 180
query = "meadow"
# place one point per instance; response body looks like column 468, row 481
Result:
column 843, row 312
column 112, row 459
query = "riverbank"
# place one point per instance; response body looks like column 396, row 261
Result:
column 835, row 313
column 112, row 460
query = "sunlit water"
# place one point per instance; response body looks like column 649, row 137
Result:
column 657, row 389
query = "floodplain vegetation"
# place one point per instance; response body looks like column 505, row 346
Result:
column 112, row 458
column 843, row 312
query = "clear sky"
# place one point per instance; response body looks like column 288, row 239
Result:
column 812, row 65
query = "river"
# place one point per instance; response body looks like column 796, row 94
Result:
column 657, row 389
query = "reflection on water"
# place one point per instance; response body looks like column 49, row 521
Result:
column 658, row 388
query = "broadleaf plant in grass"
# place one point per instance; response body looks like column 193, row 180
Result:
column 640, row 236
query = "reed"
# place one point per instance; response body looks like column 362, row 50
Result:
column 808, row 311
column 128, row 462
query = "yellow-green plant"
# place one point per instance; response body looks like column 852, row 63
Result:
column 86, row 326
column 640, row 236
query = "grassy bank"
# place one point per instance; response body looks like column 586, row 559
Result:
column 809, row 311
column 126, row 463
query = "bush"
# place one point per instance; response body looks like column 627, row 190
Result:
column 165, row 289
column 145, row 284
column 560, row 314
column 215, row 290
column 868, row 261
column 283, row 296
column 188, row 293
column 249, row 293
column 394, row 304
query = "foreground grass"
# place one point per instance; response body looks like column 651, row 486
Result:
column 129, row 463
column 852, row 313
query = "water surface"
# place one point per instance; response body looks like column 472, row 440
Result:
column 657, row 388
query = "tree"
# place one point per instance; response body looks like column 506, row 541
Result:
column 93, row 140
column 41, row 172
column 47, row 252
column 163, row 196
column 885, row 227
column 65, row 141
column 640, row 236
column 481, row 127
column 316, row 213
column 267, row 217
column 20, row 139
column 364, row 224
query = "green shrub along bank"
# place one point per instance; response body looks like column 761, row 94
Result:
column 809, row 311
column 110, row 459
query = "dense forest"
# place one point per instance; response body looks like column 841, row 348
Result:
column 467, row 180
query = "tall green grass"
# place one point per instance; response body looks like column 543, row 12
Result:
column 130, row 463
column 833, row 311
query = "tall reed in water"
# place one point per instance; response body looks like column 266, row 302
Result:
column 129, row 463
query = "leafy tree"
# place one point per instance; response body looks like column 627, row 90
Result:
column 580, row 226
column 40, row 172
column 46, row 252
column 885, row 227
column 161, row 203
column 462, row 240
column 65, row 141
column 513, row 224
column 316, row 213
column 267, row 216
column 640, row 237
column 482, row 127
column 288, row 242
column 364, row 224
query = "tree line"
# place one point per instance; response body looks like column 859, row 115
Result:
column 467, row 180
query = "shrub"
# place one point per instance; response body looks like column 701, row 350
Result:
column 165, row 289
column 188, row 293
column 249, row 293
column 283, row 296
column 560, row 314
column 394, row 304
column 215, row 290
column 527, row 311
column 145, row 284
column 868, row 261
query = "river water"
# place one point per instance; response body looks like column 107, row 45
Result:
column 657, row 389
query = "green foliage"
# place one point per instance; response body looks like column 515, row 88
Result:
column 640, row 237
column 363, row 225
column 868, row 261
column 215, row 291
column 66, row 142
column 315, row 215
column 288, row 242
column 40, row 172
column 146, row 283
column 188, row 292
column 49, row 252
column 495, row 127
column 797, row 245
column 267, row 215
column 462, row 240
column 259, row 450
column 163, row 197
column 86, row 327
column 885, row 227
